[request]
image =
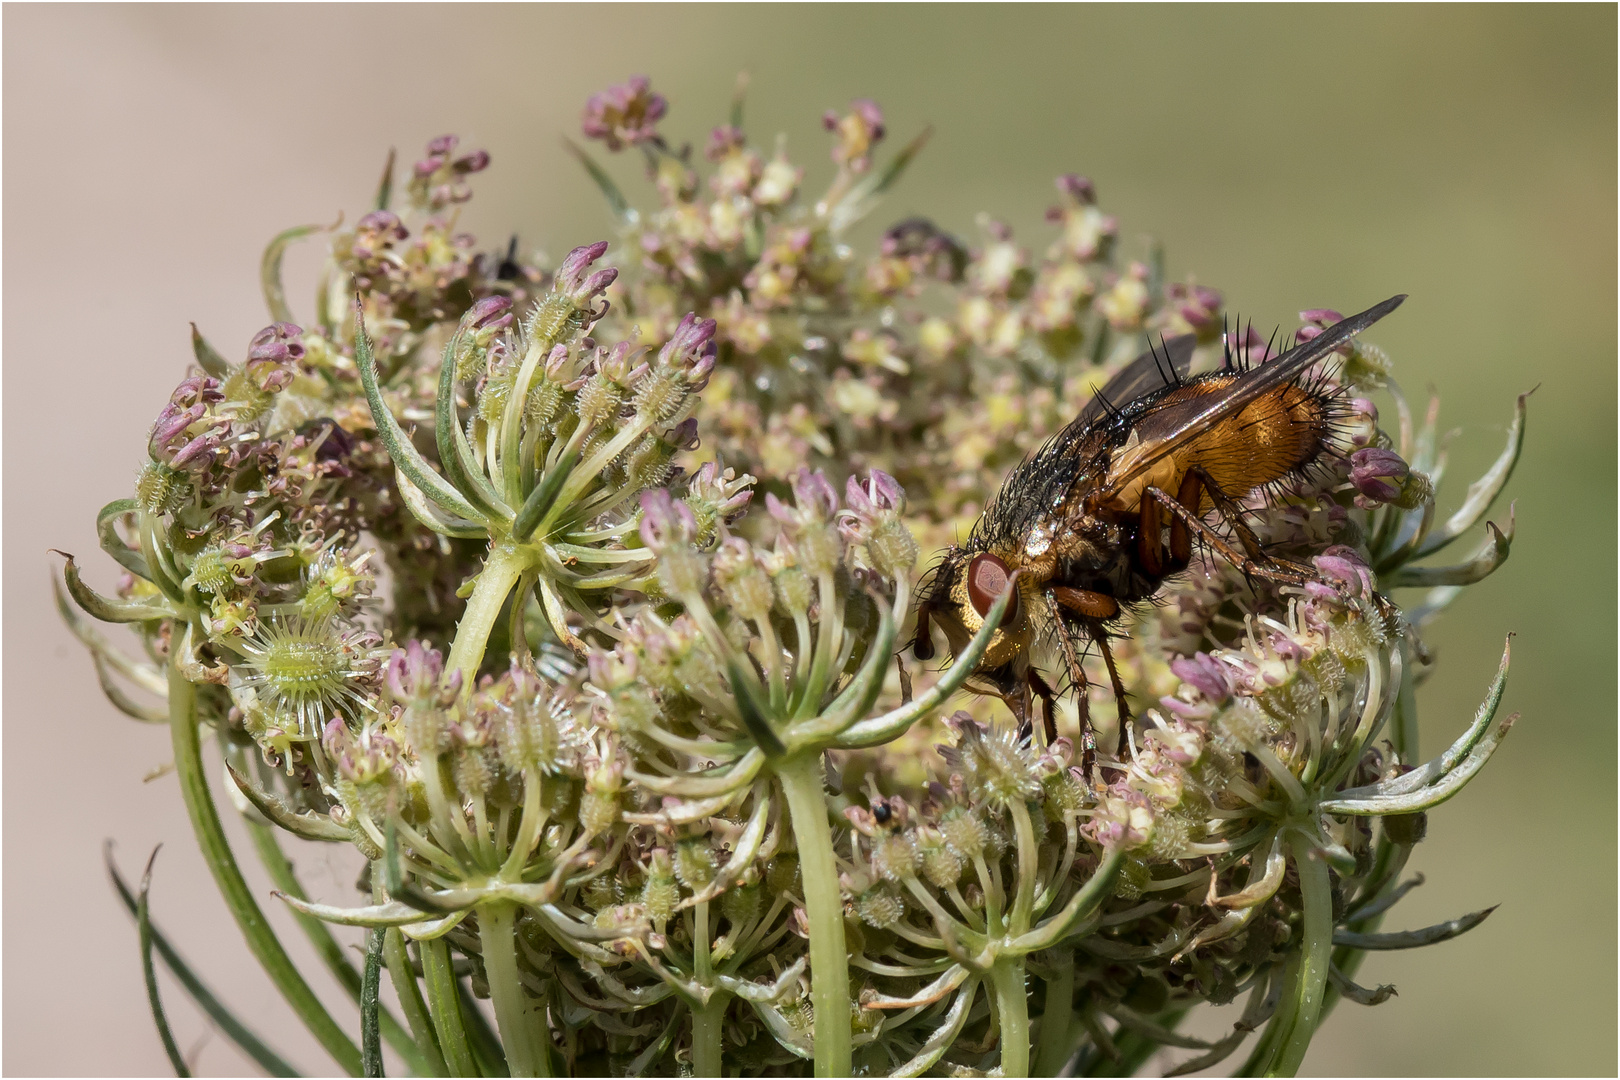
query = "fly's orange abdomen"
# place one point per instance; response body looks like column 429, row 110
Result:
column 1273, row 436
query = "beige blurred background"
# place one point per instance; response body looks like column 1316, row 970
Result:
column 1294, row 157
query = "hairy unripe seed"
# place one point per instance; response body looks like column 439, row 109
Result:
column 880, row 908
column 894, row 857
column 941, row 865
column 598, row 401
column 210, row 570
column 964, row 832
column 660, row 895
column 1169, row 837
column 892, row 548
column 783, row 876
column 745, row 586
column 694, row 863
column 1134, row 874
column 1063, row 795
column 740, row 903
column 544, row 402
column 819, row 550
column 160, row 489
column 682, row 571
column 794, row 590
column 660, row 395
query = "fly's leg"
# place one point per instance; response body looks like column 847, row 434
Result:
column 1119, row 694
column 1077, row 675
column 1043, row 693
column 1253, row 563
column 1190, row 496
column 1232, row 513
column 1149, row 544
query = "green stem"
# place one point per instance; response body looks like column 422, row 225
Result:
column 502, row 568
column 327, row 946
column 829, row 957
column 444, row 1003
column 1057, row 1021
column 1012, row 1007
column 221, row 861
column 523, row 1027
column 706, row 1019
column 411, row 1003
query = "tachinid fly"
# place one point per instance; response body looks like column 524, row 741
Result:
column 1094, row 521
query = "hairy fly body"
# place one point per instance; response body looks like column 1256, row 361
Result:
column 1093, row 522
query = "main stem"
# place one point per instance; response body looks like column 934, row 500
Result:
column 523, row 1031
column 502, row 567
column 1316, row 893
column 829, row 957
column 1007, row 980
column 221, row 861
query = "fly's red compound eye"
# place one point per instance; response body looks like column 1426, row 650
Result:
column 987, row 579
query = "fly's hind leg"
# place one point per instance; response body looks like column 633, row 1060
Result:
column 1251, row 559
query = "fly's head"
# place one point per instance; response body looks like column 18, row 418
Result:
column 959, row 593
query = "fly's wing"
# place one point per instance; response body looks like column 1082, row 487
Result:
column 1153, row 370
column 1255, row 384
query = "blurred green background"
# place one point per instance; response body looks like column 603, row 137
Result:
column 1291, row 156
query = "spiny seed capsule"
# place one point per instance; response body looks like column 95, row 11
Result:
column 301, row 672
column 1134, row 876
column 783, row 876
column 598, row 401
column 880, row 908
column 892, row 548
column 694, row 863
column 1063, row 796
column 660, row 895
column 894, row 857
column 598, row 893
column 794, row 590
column 660, row 395
column 941, row 865
column 160, row 489
column 210, row 570
column 818, row 549
column 964, row 832
column 740, row 904
column 1169, row 837
column 598, row 809
column 544, row 403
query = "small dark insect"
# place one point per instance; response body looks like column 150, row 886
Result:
column 1094, row 521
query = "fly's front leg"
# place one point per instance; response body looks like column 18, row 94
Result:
column 1077, row 676
column 1119, row 694
column 1043, row 693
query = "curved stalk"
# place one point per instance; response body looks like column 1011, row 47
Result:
column 829, row 957
column 523, row 1028
column 502, row 568
column 221, row 861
